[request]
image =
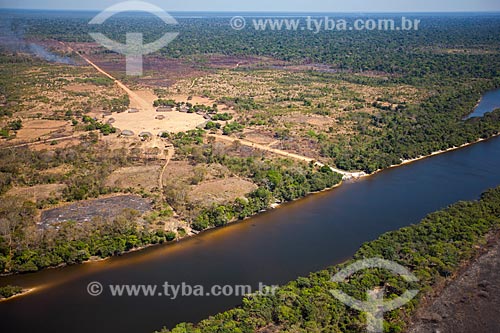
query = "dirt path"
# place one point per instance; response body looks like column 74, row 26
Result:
column 471, row 303
column 346, row 174
column 170, row 154
column 28, row 144
column 135, row 99
column 274, row 143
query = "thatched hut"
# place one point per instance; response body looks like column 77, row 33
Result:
column 127, row 133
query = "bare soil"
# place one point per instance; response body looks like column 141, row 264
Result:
column 180, row 170
column 34, row 129
column 470, row 304
column 81, row 87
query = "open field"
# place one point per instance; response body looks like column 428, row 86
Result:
column 291, row 108
column 43, row 129
column 142, row 177
column 145, row 120
column 220, row 191
column 37, row 192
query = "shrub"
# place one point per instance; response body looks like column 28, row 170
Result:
column 9, row 291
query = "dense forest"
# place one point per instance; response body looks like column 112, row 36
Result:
column 414, row 54
column 437, row 124
column 434, row 250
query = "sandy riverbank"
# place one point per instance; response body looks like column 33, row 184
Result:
column 21, row 294
column 439, row 152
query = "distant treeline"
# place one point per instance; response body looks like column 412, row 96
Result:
column 454, row 58
column 437, row 47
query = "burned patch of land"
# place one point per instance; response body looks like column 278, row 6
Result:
column 471, row 303
column 86, row 211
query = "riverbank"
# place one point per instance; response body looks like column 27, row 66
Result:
column 362, row 175
column 305, row 236
column 8, row 293
column 436, row 153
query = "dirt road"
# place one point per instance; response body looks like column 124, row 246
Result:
column 28, row 144
column 140, row 103
column 135, row 100
column 170, row 154
column 345, row 174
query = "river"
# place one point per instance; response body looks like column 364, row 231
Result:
column 489, row 102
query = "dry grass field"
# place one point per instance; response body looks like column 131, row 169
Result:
column 34, row 129
column 145, row 120
column 220, row 191
column 287, row 108
column 141, row 177
column 37, row 192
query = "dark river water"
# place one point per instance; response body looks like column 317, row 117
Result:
column 272, row 248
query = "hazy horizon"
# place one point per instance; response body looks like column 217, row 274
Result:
column 264, row 11
column 282, row 6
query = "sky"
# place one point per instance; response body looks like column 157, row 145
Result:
column 276, row 5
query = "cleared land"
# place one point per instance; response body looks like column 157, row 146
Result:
column 220, row 191
column 37, row 192
column 471, row 303
column 297, row 107
column 85, row 211
column 136, row 177
column 145, row 120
